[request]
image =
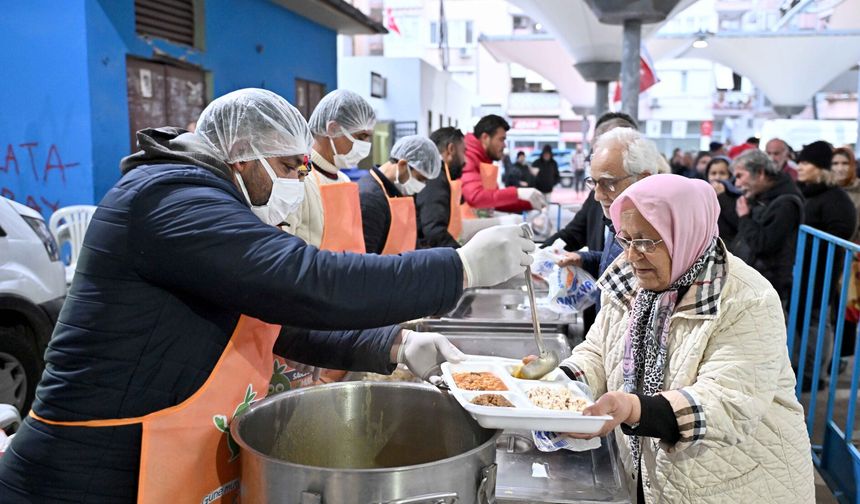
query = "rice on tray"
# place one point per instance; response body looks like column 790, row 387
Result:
column 556, row 399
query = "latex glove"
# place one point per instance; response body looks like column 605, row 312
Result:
column 533, row 196
column 494, row 255
column 509, row 219
column 423, row 352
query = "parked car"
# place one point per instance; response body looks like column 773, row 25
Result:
column 563, row 158
column 32, row 291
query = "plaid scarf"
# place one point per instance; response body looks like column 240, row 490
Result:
column 647, row 334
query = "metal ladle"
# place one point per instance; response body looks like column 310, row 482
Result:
column 547, row 360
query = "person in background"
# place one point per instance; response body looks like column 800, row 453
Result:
column 388, row 214
column 844, row 168
column 719, row 174
column 342, row 126
column 699, row 165
column 688, row 356
column 716, row 149
column 737, row 150
column 829, row 209
column 578, row 160
column 548, row 175
column 688, row 160
column 779, row 153
column 519, row 174
column 769, row 215
column 676, row 162
column 484, row 146
column 438, row 205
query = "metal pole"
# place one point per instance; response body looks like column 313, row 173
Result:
column 630, row 67
column 601, row 98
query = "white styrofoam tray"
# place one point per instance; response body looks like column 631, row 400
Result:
column 524, row 414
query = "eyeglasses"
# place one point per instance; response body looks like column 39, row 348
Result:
column 642, row 245
column 607, row 184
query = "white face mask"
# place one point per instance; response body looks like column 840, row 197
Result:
column 412, row 185
column 360, row 150
column 286, row 198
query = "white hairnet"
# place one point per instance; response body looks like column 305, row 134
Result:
column 341, row 109
column 421, row 154
column 253, row 123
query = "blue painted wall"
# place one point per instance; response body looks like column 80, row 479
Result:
column 45, row 139
column 69, row 86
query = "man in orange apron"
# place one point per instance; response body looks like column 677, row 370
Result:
column 438, row 205
column 342, row 127
column 182, row 286
column 480, row 175
column 387, row 204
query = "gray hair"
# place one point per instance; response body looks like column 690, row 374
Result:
column 638, row 154
column 755, row 162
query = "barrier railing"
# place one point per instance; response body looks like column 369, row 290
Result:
column 833, row 449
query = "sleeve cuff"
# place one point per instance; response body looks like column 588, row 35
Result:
column 574, row 372
column 690, row 415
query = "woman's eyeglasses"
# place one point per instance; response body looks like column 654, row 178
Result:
column 642, row 245
column 607, row 184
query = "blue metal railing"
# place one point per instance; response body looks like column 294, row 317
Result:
column 833, row 448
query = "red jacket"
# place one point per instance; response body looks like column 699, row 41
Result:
column 473, row 189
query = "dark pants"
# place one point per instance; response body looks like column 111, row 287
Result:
column 579, row 180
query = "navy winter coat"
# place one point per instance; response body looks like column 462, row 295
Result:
column 172, row 258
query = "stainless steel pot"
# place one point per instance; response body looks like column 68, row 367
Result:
column 365, row 443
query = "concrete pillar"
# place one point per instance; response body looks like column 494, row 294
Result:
column 788, row 110
column 630, row 64
column 601, row 73
column 601, row 98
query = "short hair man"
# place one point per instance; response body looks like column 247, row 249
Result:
column 769, row 215
column 779, row 153
column 434, row 204
column 485, row 145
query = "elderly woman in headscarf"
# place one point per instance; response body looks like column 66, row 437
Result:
column 689, row 357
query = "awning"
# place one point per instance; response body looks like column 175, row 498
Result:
column 543, row 54
column 338, row 15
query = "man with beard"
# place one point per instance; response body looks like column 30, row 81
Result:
column 438, row 205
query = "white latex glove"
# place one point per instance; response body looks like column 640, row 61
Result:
column 533, row 196
column 509, row 219
column 423, row 352
column 494, row 255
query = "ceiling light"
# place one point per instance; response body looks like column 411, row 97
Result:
column 700, row 43
column 538, row 27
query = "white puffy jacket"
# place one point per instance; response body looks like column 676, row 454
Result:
column 730, row 383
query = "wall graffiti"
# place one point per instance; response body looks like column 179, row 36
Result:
column 35, row 174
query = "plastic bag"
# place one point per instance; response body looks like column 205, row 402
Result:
column 553, row 441
column 571, row 288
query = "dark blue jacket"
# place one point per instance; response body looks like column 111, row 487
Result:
column 171, row 259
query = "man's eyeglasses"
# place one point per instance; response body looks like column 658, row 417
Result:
column 642, row 245
column 607, row 184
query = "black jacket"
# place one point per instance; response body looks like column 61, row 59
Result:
column 517, row 173
column 172, row 258
column 547, row 176
column 828, row 209
column 433, row 208
column 375, row 213
column 767, row 236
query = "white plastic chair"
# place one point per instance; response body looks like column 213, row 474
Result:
column 69, row 224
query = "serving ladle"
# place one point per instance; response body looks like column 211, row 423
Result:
column 547, row 360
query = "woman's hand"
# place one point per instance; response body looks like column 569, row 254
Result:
column 718, row 187
column 623, row 407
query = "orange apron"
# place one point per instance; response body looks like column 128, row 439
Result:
column 342, row 230
column 403, row 233
column 186, row 452
column 455, row 219
column 489, row 181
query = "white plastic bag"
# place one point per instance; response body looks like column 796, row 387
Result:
column 571, row 288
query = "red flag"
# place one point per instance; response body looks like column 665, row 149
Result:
column 647, row 74
column 390, row 23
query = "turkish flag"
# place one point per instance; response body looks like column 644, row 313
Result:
column 647, row 74
column 389, row 21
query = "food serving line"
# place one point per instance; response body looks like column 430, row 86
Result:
column 390, row 440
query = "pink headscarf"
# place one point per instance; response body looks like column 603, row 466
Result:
column 684, row 211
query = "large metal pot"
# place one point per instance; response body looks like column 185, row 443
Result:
column 365, row 443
